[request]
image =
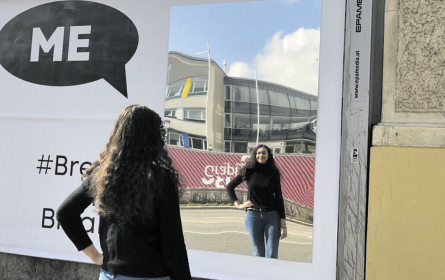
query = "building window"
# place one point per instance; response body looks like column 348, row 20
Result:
column 314, row 105
column 300, row 147
column 264, row 128
column 228, row 120
column 278, row 99
column 228, row 93
column 302, row 103
column 170, row 113
column 279, row 127
column 263, row 97
column 176, row 88
column 227, row 146
column 241, row 107
column 199, row 85
column 174, row 139
column 241, row 121
column 195, row 114
column 264, row 122
column 198, row 143
column 240, row 147
column 298, row 123
column 240, row 94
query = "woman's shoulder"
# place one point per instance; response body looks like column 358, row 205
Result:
column 163, row 172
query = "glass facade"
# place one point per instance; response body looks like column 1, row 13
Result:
column 284, row 115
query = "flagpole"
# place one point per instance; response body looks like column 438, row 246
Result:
column 258, row 104
column 207, row 99
column 208, row 90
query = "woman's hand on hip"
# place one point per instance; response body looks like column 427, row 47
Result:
column 246, row 204
column 93, row 254
column 283, row 232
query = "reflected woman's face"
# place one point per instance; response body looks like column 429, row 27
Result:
column 262, row 155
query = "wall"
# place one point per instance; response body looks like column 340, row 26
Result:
column 406, row 236
column 24, row 268
column 406, row 232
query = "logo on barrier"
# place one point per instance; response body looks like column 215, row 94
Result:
column 220, row 176
column 69, row 43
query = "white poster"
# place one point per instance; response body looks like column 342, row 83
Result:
column 67, row 70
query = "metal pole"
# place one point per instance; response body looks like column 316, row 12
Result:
column 207, row 99
column 258, row 104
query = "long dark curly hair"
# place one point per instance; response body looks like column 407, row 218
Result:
column 134, row 170
column 252, row 163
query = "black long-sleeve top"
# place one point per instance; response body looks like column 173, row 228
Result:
column 263, row 188
column 154, row 249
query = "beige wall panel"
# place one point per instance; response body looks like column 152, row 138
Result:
column 198, row 101
column 406, row 224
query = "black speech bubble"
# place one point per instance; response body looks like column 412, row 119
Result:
column 112, row 42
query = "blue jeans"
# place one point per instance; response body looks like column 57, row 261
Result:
column 105, row 275
column 262, row 225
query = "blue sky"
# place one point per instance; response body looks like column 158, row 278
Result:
column 237, row 32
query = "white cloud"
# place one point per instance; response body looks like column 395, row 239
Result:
column 290, row 60
column 241, row 69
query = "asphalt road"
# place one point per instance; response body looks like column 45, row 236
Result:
column 223, row 230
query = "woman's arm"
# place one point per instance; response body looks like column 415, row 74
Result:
column 231, row 192
column 279, row 197
column 280, row 201
column 93, row 254
column 68, row 215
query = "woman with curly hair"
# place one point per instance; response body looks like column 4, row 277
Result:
column 265, row 217
column 135, row 190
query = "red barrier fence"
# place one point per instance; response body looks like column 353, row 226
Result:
column 215, row 170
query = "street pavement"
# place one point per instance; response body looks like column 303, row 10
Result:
column 221, row 229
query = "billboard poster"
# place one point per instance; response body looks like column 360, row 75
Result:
column 69, row 67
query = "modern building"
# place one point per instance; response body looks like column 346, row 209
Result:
column 207, row 110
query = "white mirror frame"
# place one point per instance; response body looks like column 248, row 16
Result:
column 215, row 265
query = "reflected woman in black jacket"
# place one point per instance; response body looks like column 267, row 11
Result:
column 265, row 217
column 135, row 190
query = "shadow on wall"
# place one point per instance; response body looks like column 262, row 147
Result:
column 219, row 197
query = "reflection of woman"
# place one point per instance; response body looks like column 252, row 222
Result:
column 135, row 190
column 265, row 216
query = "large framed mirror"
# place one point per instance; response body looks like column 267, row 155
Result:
column 241, row 74
column 252, row 85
